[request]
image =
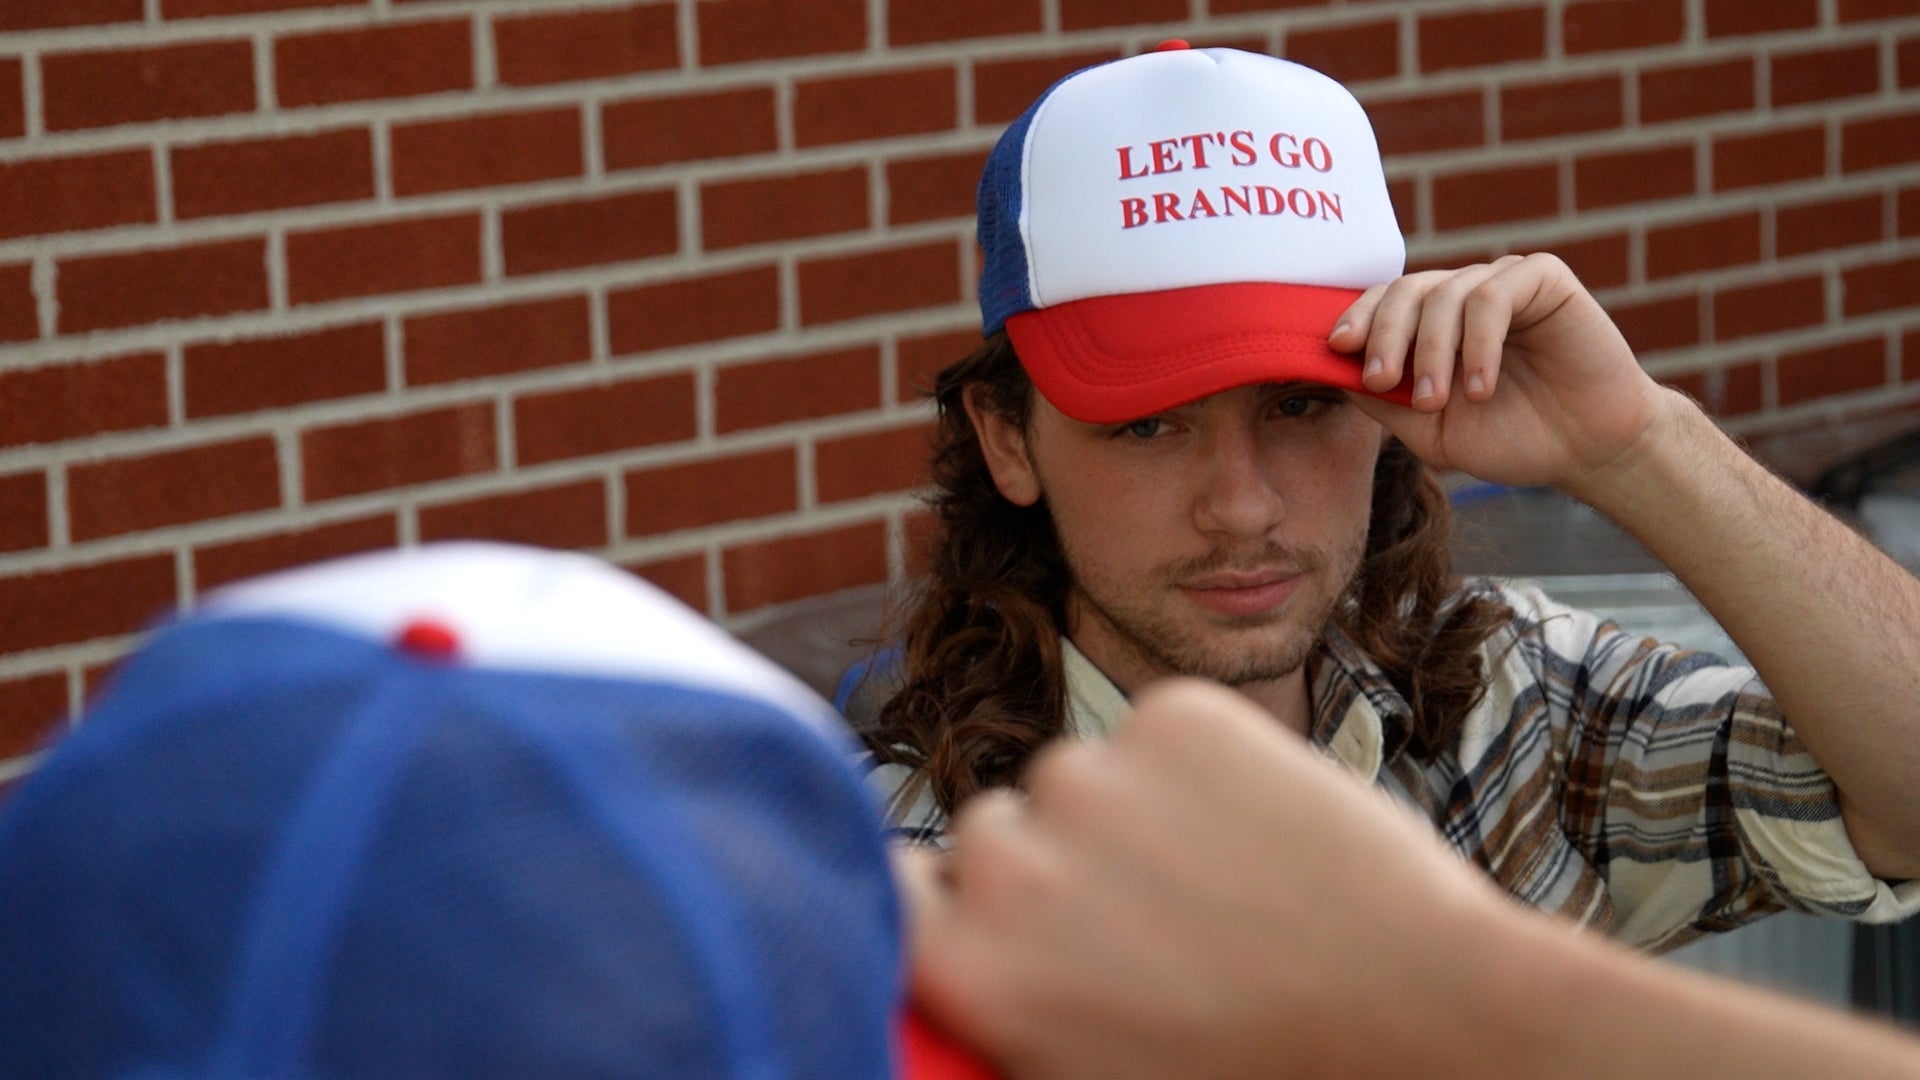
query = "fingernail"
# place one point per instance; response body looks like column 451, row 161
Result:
column 1374, row 367
column 1475, row 383
column 1423, row 388
column 1339, row 330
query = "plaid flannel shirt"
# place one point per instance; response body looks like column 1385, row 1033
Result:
column 1637, row 787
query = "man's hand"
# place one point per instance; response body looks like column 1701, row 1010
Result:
column 1519, row 375
column 1199, row 897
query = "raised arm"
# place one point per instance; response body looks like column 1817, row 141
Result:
column 1528, row 382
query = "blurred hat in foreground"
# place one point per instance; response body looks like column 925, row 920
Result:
column 462, row 811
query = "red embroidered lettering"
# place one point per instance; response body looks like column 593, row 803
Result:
column 1285, row 150
column 1126, row 164
column 1133, row 212
column 1198, row 144
column 1201, row 206
column 1330, row 204
column 1240, row 196
column 1164, row 159
column 1300, row 201
column 1271, row 201
column 1319, row 156
column 1243, row 151
column 1166, row 207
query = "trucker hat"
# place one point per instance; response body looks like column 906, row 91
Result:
column 1167, row 226
column 467, row 810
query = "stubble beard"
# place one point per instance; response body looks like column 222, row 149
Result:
column 1242, row 651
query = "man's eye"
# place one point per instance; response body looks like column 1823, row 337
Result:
column 1144, row 429
column 1297, row 406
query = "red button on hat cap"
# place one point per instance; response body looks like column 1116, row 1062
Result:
column 1170, row 45
column 428, row 639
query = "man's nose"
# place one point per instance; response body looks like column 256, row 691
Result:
column 1237, row 496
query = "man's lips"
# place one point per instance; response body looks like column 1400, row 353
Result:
column 1241, row 593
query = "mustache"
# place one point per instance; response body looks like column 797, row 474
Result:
column 1247, row 559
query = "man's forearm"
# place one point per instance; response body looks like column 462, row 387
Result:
column 1831, row 623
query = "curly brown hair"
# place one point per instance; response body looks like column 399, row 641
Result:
column 981, row 682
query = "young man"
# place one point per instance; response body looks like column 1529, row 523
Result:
column 1197, row 442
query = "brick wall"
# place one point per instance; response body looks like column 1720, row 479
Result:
column 282, row 279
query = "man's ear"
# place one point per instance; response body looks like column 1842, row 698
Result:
column 1004, row 445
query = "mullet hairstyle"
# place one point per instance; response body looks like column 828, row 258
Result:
column 981, row 685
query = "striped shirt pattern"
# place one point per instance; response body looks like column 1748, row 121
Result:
column 1636, row 787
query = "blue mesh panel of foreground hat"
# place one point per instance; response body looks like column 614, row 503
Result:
column 470, row 810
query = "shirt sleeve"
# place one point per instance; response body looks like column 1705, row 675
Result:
column 1688, row 789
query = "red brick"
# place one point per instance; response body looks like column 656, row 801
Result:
column 1088, row 14
column 1831, row 369
column 917, row 22
column 1608, row 25
column 1907, row 62
column 839, row 287
column 1909, row 211
column 218, row 564
column 1651, row 325
column 1774, row 157
column 1236, row 7
column 23, row 511
column 693, row 310
column 80, row 603
column 1351, row 53
column 131, row 86
column 56, row 402
column 1825, row 74
column 1511, row 192
column 1600, row 262
column 228, row 377
column 565, row 516
column 32, row 710
column 1561, row 107
column 19, row 311
column 1879, row 142
column 1733, row 18
column 683, row 577
column 695, row 127
column 1865, row 10
column 195, row 9
column 49, row 14
column 933, row 188
column 919, row 529
column 396, row 451
column 1740, row 390
column 1480, row 37
column 1683, row 91
column 737, row 488
column 1691, row 247
column 732, row 31
column 63, row 194
column 1002, row 89
column 1768, row 307
column 855, row 107
column 385, row 61
column 1404, row 193
column 857, row 466
column 795, row 567
column 98, row 292
column 172, row 487
column 478, row 342
column 384, row 257
column 13, row 98
column 796, row 388
column 1662, row 172
column 1881, row 286
column 923, row 357
column 485, row 151
column 1410, row 125
column 604, row 418
column 1827, row 223
column 589, row 232
column 272, row 173
column 788, row 206
column 560, row 47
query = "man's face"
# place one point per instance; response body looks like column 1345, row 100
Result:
column 1213, row 539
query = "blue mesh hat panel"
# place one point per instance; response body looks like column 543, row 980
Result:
column 275, row 849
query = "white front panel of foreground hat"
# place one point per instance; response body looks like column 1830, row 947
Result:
column 1200, row 167
column 524, row 609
